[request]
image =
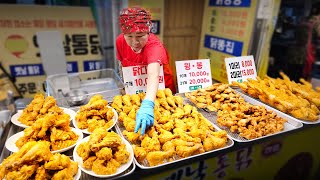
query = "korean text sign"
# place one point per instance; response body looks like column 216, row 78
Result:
column 240, row 69
column 19, row 47
column 135, row 79
column 193, row 74
column 226, row 32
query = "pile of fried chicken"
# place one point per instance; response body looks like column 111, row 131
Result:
column 297, row 99
column 95, row 114
column 179, row 130
column 52, row 126
column 39, row 107
column 35, row 161
column 233, row 112
column 103, row 153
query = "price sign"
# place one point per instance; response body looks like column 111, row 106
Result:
column 135, row 79
column 240, row 68
column 193, row 74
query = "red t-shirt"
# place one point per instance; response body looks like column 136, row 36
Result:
column 152, row 52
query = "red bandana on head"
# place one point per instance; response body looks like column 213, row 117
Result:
column 135, row 19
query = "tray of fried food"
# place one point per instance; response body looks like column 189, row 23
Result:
column 35, row 161
column 214, row 97
column 179, row 130
column 38, row 107
column 52, row 127
column 103, row 154
column 243, row 118
column 296, row 99
column 95, row 114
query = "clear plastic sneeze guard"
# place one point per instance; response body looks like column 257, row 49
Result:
column 75, row 89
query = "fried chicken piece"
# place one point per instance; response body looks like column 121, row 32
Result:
column 97, row 135
column 161, row 94
column 24, row 173
column 30, row 152
column 212, row 142
column 62, row 144
column 165, row 136
column 64, row 174
column 126, row 99
column 83, row 150
column 157, row 157
column 104, row 153
column 131, row 136
column 200, row 133
column 57, row 162
column 111, row 140
column 96, row 105
column 61, row 135
column 48, row 103
column 89, row 162
column 182, row 134
column 117, row 100
column 168, row 92
column 186, row 151
column 129, row 124
column 178, row 100
column 171, row 102
column 132, row 113
column 95, row 98
column 42, row 174
column 110, row 114
column 187, row 109
column 139, row 153
column 136, row 99
column 43, row 124
column 178, row 113
column 121, row 155
column 102, row 167
column 151, row 144
column 163, row 102
column 63, row 121
column 169, row 147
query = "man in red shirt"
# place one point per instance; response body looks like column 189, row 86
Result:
column 137, row 46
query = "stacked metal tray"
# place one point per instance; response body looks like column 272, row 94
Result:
column 276, row 110
column 145, row 165
column 290, row 125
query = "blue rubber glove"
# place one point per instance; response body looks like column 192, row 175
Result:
column 145, row 116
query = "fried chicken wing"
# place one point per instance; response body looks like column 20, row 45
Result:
column 122, row 155
column 157, row 157
column 104, row 153
column 24, row 173
column 140, row 153
column 58, row 162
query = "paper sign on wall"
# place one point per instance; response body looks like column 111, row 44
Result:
column 135, row 79
column 193, row 74
column 240, row 69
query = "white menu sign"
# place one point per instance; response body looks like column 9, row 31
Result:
column 135, row 79
column 193, row 74
column 240, row 69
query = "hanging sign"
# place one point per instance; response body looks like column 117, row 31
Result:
column 136, row 77
column 193, row 74
column 240, row 69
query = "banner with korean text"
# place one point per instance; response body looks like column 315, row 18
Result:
column 226, row 32
column 19, row 50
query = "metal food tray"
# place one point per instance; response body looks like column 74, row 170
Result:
column 276, row 110
column 119, row 128
column 291, row 123
column 75, row 89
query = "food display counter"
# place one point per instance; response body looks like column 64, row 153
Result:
column 207, row 144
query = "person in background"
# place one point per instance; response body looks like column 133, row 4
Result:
column 137, row 46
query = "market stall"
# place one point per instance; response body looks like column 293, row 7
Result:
column 214, row 132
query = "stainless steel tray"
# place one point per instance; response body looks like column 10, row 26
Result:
column 276, row 110
column 119, row 128
column 212, row 117
column 75, row 89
